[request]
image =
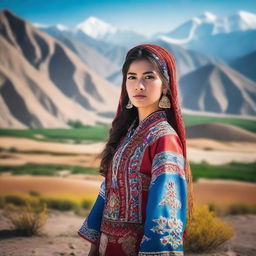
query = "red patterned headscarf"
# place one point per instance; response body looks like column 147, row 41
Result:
column 168, row 60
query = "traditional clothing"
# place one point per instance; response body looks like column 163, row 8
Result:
column 142, row 205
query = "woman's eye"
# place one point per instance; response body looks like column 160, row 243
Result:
column 149, row 77
column 131, row 77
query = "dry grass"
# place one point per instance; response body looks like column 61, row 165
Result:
column 206, row 231
column 28, row 218
column 79, row 204
column 232, row 209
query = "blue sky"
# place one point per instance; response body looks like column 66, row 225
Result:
column 145, row 16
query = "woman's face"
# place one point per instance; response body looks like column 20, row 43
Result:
column 144, row 86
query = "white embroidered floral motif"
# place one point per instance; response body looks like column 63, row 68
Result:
column 170, row 197
column 172, row 228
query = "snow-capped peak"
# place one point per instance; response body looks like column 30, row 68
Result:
column 61, row 27
column 208, row 17
column 38, row 25
column 196, row 20
column 242, row 20
column 96, row 28
column 245, row 14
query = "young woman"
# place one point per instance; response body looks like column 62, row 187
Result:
column 146, row 197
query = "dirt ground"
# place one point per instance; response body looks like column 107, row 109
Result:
column 59, row 234
column 59, row 238
column 218, row 191
column 212, row 151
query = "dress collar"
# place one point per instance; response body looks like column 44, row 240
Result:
column 154, row 116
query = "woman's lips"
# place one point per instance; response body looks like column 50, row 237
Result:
column 139, row 96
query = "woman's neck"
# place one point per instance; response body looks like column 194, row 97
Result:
column 142, row 113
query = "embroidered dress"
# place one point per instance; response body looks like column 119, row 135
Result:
column 141, row 207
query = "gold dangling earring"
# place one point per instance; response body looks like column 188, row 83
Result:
column 164, row 101
column 129, row 105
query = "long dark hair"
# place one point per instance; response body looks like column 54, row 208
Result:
column 126, row 116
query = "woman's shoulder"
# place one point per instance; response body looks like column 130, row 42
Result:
column 165, row 138
column 161, row 129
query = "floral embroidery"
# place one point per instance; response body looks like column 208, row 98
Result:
column 111, row 210
column 89, row 233
column 172, row 228
column 170, row 197
column 124, row 178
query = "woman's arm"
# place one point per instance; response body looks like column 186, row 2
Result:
column 90, row 229
column 166, row 206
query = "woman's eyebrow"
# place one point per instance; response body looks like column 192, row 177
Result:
column 133, row 73
column 148, row 72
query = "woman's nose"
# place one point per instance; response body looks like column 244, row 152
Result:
column 140, row 85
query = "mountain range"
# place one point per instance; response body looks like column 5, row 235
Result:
column 220, row 89
column 50, row 75
column 44, row 84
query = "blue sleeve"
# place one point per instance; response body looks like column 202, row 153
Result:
column 90, row 229
column 166, row 207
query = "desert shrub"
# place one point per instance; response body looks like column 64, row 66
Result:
column 28, row 218
column 17, row 200
column 86, row 204
column 233, row 208
column 218, row 209
column 60, row 204
column 206, row 231
column 242, row 208
column 33, row 193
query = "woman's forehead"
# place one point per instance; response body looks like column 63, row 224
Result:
column 141, row 66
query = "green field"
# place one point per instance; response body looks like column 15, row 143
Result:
column 231, row 171
column 100, row 132
column 78, row 135
column 246, row 124
column 46, row 169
